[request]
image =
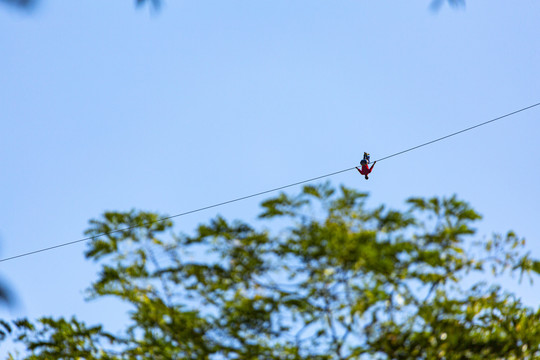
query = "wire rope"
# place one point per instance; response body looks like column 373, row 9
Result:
column 262, row 192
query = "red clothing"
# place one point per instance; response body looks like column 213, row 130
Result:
column 365, row 169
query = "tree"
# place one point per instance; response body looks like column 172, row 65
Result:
column 338, row 281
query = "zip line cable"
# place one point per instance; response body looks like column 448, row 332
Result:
column 262, row 192
column 459, row 132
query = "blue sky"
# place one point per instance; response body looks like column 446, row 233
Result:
column 104, row 106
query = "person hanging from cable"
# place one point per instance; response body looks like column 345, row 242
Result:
column 365, row 166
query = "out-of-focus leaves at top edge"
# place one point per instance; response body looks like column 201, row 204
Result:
column 29, row 5
column 437, row 4
column 26, row 5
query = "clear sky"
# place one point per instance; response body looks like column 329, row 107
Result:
column 104, row 106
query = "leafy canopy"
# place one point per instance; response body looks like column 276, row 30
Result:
column 337, row 281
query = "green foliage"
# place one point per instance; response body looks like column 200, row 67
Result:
column 340, row 281
column 63, row 339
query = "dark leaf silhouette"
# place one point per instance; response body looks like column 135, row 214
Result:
column 437, row 4
column 20, row 4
